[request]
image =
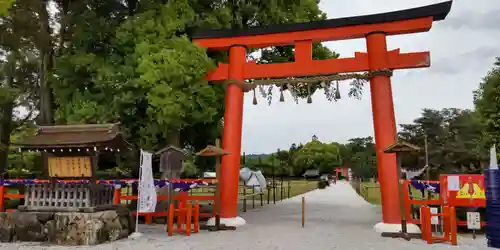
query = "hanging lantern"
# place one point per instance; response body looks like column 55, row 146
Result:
column 309, row 98
column 282, row 97
column 337, row 92
column 254, row 97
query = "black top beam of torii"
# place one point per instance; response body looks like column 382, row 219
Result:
column 437, row 11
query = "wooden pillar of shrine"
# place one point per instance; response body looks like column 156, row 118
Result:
column 231, row 140
column 384, row 124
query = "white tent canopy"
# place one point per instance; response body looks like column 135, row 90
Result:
column 253, row 179
column 209, row 175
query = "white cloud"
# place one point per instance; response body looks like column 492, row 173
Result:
column 463, row 48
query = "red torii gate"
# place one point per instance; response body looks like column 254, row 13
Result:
column 378, row 61
column 342, row 171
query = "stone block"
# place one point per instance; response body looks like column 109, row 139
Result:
column 67, row 228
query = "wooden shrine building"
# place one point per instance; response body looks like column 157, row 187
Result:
column 70, row 152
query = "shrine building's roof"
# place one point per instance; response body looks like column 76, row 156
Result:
column 98, row 136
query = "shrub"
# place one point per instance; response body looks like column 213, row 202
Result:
column 323, row 184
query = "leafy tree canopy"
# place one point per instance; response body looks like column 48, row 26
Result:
column 487, row 103
column 4, row 6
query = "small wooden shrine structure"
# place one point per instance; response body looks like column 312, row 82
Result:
column 70, row 153
column 171, row 162
column 171, row 166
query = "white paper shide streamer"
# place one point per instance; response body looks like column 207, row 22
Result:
column 147, row 192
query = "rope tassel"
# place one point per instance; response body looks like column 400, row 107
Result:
column 254, row 98
column 309, row 98
column 337, row 92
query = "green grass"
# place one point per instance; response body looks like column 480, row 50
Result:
column 297, row 187
column 371, row 192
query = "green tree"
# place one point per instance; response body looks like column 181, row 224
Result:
column 454, row 141
column 487, row 104
column 5, row 6
column 18, row 72
column 359, row 155
column 151, row 79
column 190, row 169
column 318, row 155
column 131, row 61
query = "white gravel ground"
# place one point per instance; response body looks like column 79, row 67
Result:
column 336, row 218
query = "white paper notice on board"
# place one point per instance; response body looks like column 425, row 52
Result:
column 453, row 183
column 473, row 220
column 434, row 219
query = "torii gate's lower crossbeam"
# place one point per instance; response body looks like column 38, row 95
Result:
column 378, row 61
column 307, row 67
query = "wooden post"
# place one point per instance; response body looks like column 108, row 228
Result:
column 453, row 226
column 402, row 207
column 170, row 223
column 196, row 219
column 189, row 216
column 2, row 195
column 384, row 124
column 423, row 221
column 303, row 210
column 117, row 196
column 228, row 176
column 217, row 187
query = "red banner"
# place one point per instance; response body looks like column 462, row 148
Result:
column 469, row 191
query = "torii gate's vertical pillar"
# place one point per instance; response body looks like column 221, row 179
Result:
column 384, row 124
column 231, row 140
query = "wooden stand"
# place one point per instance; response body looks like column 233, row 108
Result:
column 217, row 152
column 398, row 148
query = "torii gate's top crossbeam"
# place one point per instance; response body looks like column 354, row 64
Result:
column 391, row 23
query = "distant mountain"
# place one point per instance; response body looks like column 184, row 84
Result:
column 250, row 156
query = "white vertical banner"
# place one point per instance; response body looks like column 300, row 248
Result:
column 493, row 166
column 146, row 186
column 493, row 158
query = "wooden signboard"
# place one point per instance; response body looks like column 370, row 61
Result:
column 463, row 190
column 75, row 166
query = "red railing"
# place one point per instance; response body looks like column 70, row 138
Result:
column 449, row 225
column 183, row 197
column 409, row 202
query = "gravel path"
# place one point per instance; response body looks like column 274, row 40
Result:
column 336, row 218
